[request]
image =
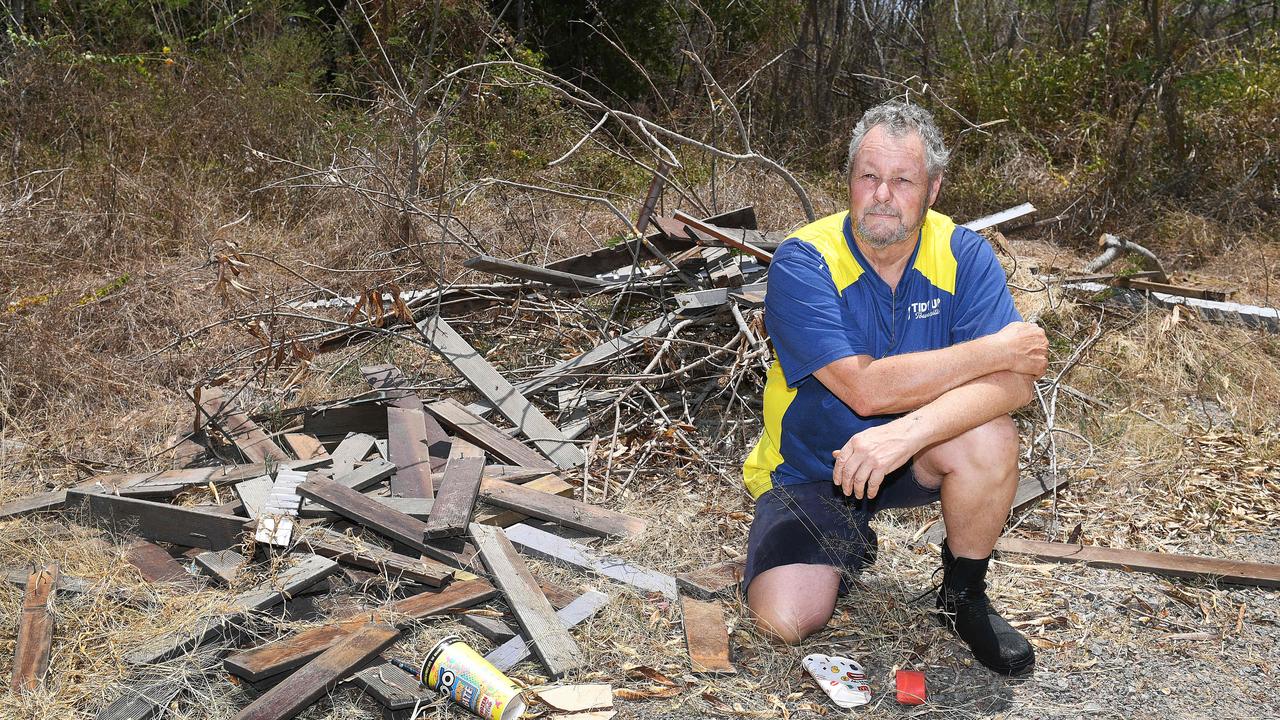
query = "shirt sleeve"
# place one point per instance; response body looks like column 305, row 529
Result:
column 804, row 314
column 983, row 302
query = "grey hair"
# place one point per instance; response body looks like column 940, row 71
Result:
column 899, row 118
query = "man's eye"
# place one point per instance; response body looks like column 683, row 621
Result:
column 902, row 181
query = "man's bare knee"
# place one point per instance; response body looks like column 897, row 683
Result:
column 989, row 450
column 792, row 602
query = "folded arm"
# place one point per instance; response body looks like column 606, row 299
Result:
column 902, row 383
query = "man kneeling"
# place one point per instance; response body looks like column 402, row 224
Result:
column 899, row 358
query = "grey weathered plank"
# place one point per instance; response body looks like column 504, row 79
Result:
column 562, row 510
column 456, row 500
column 540, row 543
column 338, row 547
column 310, row 569
column 533, row 612
column 236, row 425
column 253, row 494
column 395, row 386
column 524, row 271
column 142, row 703
column 221, row 565
column 516, row 650
column 350, row 451
column 407, row 448
column 189, row 527
column 365, row 511
column 509, row 402
column 480, row 432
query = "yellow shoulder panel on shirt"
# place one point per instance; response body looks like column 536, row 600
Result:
column 935, row 260
column 827, row 237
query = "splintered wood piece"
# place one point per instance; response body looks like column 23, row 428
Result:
column 551, row 484
column 1235, row 572
column 138, row 701
column 456, row 501
column 524, row 271
column 35, row 631
column 394, row 688
column 516, row 650
column 711, row 581
column 297, row 649
column 564, row 511
column 533, row 612
column 706, row 637
column 407, row 447
column 367, row 475
column 253, row 494
column 236, row 425
column 305, row 446
column 155, row 563
column 276, row 518
column 371, row 557
column 365, row 511
column 308, row 571
column 480, row 432
column 221, row 565
column 490, row 628
column 319, row 676
column 189, row 527
column 723, row 237
column 350, row 451
column 513, row 406
column 542, row 544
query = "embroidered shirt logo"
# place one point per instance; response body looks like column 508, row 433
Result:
column 922, row 310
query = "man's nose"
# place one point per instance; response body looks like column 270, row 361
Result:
column 882, row 192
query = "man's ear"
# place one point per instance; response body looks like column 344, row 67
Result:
column 935, row 185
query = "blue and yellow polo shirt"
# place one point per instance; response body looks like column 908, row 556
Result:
column 824, row 302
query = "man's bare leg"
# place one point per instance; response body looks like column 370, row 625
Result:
column 792, row 602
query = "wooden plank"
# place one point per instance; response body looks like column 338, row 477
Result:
column 502, row 517
column 723, row 237
column 221, row 565
column 1030, row 490
column 495, row 388
column 156, row 564
column 35, row 631
column 628, row 253
column 706, row 637
column 480, row 432
column 407, row 448
column 1012, row 213
column 421, row 508
column 394, row 384
column 363, row 417
column 524, row 271
column 1170, row 289
column 353, row 449
column 345, row 550
column 365, row 511
column 40, row 502
column 189, row 527
column 288, row 653
column 516, row 650
column 533, row 612
column 703, row 299
column 169, row 483
column 543, row 544
column 562, row 510
column 253, row 494
column 599, row 354
column 321, row 675
column 1235, row 572
column 142, row 703
column 712, row 581
column 308, row 571
column 276, row 519
column 456, row 502
column 236, row 425
column 394, row 688
column 498, row 632
column 305, row 446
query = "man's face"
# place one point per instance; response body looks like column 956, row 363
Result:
column 889, row 188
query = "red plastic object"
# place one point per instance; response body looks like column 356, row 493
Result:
column 910, row 687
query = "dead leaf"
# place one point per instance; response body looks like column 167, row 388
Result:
column 647, row 672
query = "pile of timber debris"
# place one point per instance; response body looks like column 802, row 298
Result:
column 427, row 495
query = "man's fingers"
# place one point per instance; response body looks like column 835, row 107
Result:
column 873, row 483
column 860, row 479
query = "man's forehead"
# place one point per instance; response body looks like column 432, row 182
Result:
column 881, row 147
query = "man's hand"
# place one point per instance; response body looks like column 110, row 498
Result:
column 870, row 455
column 1026, row 347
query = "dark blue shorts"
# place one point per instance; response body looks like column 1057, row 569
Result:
column 815, row 524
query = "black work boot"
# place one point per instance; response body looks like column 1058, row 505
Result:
column 964, row 607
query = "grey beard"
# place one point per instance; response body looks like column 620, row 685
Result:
column 880, row 242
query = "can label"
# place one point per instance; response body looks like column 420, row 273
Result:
column 452, row 667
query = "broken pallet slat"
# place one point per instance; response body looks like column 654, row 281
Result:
column 221, row 565
column 1235, row 572
column 189, row 527
column 319, row 676
column 706, row 637
column 525, row 271
column 502, row 517
column 516, row 650
column 727, row 239
column 236, row 425
column 456, row 502
column 353, row 449
column 306, row 447
column 337, row 547
column 533, row 612
column 35, row 631
column 498, row 632
column 308, row 571
column 543, row 544
column 142, row 703
column 394, row 384
column 421, row 508
column 480, row 432
column 495, row 388
column 407, row 448
column 562, row 510
column 283, row 655
column 155, row 563
column 276, row 518
column 711, row 581
column 253, row 494
column 365, row 511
